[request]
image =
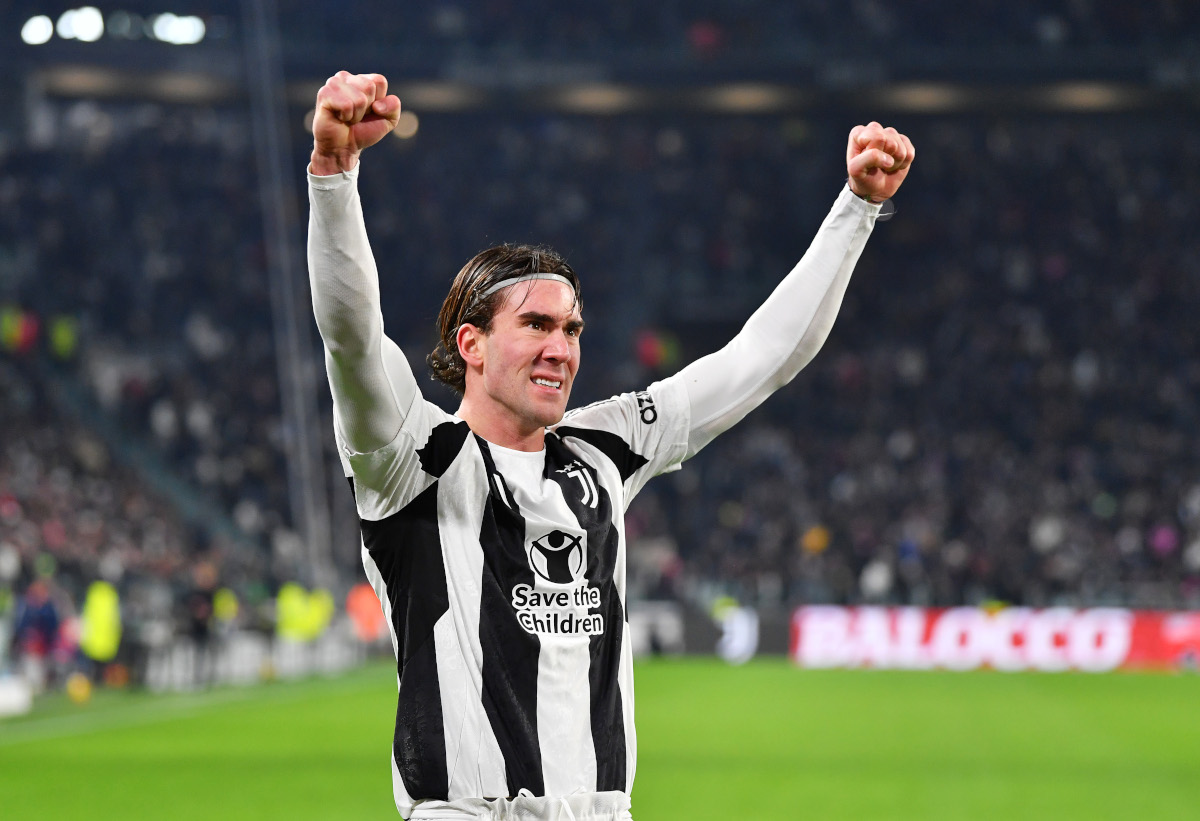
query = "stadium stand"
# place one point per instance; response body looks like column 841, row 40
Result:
column 1005, row 410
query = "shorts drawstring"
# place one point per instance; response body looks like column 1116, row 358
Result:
column 562, row 800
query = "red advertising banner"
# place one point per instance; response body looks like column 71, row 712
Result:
column 1011, row 638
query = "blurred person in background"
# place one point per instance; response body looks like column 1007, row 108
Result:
column 198, row 616
column 35, row 633
column 494, row 537
column 10, row 568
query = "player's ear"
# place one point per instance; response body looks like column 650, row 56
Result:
column 470, row 344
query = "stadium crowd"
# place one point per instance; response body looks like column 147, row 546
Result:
column 712, row 29
column 107, row 283
column 1001, row 413
column 1005, row 411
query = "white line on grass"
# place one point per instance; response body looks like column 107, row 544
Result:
column 130, row 715
column 155, row 709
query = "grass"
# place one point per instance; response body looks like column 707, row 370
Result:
column 764, row 741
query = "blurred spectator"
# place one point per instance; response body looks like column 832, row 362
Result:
column 36, row 634
column 199, row 619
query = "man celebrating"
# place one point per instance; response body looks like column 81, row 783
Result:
column 495, row 537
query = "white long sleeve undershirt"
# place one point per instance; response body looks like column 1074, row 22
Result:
column 371, row 395
column 786, row 331
column 374, row 387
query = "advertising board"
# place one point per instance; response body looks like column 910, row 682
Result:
column 1010, row 638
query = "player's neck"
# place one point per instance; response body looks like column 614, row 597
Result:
column 502, row 429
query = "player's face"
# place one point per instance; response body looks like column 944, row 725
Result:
column 531, row 354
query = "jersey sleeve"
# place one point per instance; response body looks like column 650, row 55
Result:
column 390, row 477
column 644, row 433
column 381, row 421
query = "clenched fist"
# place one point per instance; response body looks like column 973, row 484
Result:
column 354, row 111
column 877, row 160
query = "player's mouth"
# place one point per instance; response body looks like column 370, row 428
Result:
column 547, row 383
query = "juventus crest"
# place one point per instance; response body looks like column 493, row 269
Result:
column 576, row 471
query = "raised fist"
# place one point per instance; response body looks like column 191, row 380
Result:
column 877, row 160
column 354, row 111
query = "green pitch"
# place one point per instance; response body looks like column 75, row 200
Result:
column 765, row 741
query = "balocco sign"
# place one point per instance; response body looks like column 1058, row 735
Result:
column 965, row 638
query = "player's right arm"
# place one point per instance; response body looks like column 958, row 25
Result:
column 371, row 394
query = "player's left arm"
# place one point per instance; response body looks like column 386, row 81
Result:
column 787, row 330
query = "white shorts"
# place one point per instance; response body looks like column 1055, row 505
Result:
column 592, row 806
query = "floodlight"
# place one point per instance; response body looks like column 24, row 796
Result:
column 37, row 30
column 89, row 24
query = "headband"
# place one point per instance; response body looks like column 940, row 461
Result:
column 526, row 278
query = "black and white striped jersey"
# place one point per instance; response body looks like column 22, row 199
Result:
column 502, row 575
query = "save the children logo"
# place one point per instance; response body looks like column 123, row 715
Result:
column 557, row 557
column 561, row 608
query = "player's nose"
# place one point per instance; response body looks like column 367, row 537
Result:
column 557, row 347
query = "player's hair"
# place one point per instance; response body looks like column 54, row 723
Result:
column 467, row 303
